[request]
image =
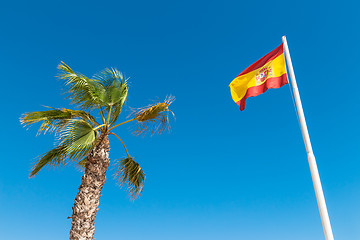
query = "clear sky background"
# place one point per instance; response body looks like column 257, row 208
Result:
column 220, row 173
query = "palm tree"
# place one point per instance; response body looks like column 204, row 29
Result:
column 84, row 141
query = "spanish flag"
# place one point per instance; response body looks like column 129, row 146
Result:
column 267, row 72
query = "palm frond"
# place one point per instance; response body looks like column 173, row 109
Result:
column 54, row 157
column 128, row 172
column 83, row 91
column 82, row 115
column 116, row 88
column 55, row 119
column 76, row 141
column 116, row 92
column 153, row 117
column 107, row 76
column 78, row 138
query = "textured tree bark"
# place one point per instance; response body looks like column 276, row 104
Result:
column 87, row 200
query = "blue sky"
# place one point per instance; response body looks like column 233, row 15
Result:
column 220, row 173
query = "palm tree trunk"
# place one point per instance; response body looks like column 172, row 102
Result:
column 87, row 200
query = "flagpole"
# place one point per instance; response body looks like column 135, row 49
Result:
column 311, row 158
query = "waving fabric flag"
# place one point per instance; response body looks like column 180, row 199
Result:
column 267, row 72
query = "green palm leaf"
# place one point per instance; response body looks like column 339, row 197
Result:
column 83, row 91
column 76, row 141
column 128, row 172
column 116, row 92
column 54, row 157
column 78, row 138
column 55, row 119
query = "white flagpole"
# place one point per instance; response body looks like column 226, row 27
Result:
column 311, row 158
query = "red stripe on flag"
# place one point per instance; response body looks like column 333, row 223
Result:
column 275, row 82
column 262, row 61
